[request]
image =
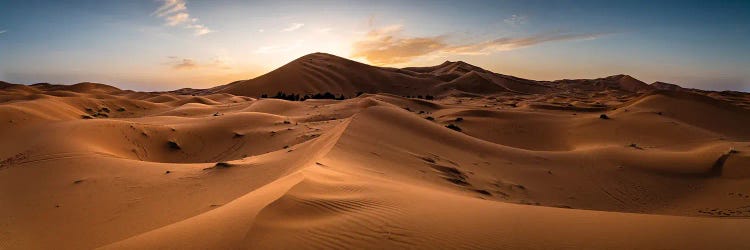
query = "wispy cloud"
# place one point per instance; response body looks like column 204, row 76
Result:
column 388, row 46
column 190, row 64
column 175, row 13
column 199, row 29
column 170, row 7
column 3, row 31
column 511, row 43
column 178, row 18
column 516, row 20
column 293, row 27
column 185, row 63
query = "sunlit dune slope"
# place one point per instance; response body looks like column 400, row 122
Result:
column 488, row 163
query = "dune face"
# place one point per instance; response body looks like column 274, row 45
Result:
column 320, row 72
column 493, row 161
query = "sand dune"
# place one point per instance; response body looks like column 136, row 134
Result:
column 493, row 161
column 320, row 72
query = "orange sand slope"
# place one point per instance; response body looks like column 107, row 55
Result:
column 89, row 166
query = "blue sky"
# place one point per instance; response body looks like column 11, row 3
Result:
column 169, row 44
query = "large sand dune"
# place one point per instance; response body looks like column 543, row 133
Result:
column 528, row 164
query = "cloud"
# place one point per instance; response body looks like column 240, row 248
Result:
column 219, row 64
column 511, row 43
column 190, row 64
column 3, row 31
column 293, row 27
column 178, row 18
column 184, row 64
column 516, row 20
column 388, row 46
column 199, row 29
column 175, row 13
column 169, row 7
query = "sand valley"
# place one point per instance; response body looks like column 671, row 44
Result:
column 449, row 156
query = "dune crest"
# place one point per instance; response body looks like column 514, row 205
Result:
column 448, row 156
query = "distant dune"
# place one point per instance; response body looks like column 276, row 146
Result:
column 320, row 72
column 488, row 161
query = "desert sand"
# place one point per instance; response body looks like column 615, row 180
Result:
column 608, row 163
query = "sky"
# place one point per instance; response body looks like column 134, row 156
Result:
column 169, row 44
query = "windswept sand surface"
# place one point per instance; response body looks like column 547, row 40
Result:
column 369, row 172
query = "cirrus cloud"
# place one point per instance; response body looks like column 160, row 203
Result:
column 389, row 46
column 511, row 43
column 175, row 13
column 516, row 20
column 185, row 63
column 293, row 27
column 191, row 64
column 170, row 7
column 178, row 18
